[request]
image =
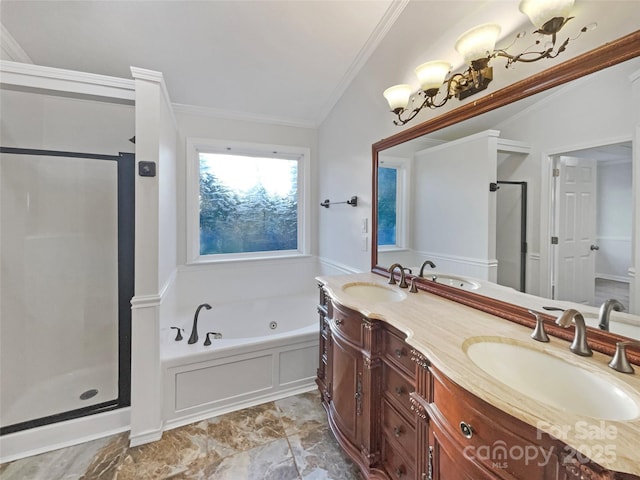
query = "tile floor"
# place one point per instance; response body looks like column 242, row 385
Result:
column 606, row 289
column 281, row 440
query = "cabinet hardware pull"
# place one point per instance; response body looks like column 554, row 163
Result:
column 399, row 390
column 430, row 466
column 400, row 353
column 339, row 321
column 466, row 429
column 358, row 395
column 397, row 431
column 400, row 471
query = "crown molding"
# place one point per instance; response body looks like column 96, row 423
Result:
column 58, row 79
column 12, row 48
column 155, row 77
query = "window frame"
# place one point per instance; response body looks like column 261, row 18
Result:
column 403, row 169
column 195, row 146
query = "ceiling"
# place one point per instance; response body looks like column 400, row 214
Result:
column 286, row 61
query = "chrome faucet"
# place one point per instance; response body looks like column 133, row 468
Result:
column 194, row 329
column 620, row 362
column 579, row 345
column 392, row 279
column 424, row 264
column 605, row 312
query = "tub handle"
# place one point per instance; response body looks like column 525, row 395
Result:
column 216, row 335
column 179, row 333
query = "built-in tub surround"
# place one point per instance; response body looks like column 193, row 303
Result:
column 439, row 328
column 268, row 349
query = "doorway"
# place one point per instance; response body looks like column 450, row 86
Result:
column 592, row 231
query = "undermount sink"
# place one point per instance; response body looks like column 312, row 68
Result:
column 454, row 281
column 551, row 380
column 372, row 292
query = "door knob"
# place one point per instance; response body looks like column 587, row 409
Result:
column 594, row 247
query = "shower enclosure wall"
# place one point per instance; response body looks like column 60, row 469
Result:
column 66, row 247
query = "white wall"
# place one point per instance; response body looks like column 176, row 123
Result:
column 361, row 116
column 45, row 121
column 613, row 228
column 453, row 207
column 220, row 282
column 584, row 124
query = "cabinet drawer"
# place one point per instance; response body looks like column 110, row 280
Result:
column 395, row 464
column 347, row 324
column 486, row 435
column 398, row 431
column 396, row 388
column 397, row 351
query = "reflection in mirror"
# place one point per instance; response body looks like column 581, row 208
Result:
column 533, row 201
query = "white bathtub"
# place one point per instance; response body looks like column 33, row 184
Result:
column 252, row 363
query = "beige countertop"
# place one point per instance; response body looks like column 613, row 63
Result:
column 439, row 328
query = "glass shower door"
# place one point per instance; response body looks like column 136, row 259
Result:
column 59, row 284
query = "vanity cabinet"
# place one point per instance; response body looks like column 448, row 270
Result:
column 399, row 417
column 352, row 381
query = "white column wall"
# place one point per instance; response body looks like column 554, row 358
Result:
column 155, row 251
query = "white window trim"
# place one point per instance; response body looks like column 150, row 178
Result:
column 403, row 192
column 197, row 145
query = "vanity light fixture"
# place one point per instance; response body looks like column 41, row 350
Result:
column 477, row 46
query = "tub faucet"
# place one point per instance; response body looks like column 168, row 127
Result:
column 194, row 329
column 392, row 279
column 605, row 312
column 424, row 264
column 579, row 345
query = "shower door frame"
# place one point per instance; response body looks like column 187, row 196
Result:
column 523, row 230
column 126, row 243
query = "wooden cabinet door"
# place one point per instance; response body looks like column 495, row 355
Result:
column 346, row 399
column 446, row 460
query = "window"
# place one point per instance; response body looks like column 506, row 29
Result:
column 387, row 205
column 247, row 201
column 392, row 198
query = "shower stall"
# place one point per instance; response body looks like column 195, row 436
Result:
column 66, row 275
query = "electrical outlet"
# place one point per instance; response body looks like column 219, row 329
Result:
column 365, row 243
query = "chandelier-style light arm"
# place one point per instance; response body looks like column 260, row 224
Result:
column 547, row 53
column 477, row 47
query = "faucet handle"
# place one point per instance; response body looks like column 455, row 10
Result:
column 179, row 333
column 539, row 333
column 413, row 288
column 620, row 362
column 216, row 335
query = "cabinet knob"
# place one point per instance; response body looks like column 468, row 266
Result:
column 401, row 471
column 400, row 352
column 339, row 321
column 466, row 429
column 399, row 390
column 397, row 431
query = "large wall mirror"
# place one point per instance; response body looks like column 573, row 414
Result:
column 526, row 198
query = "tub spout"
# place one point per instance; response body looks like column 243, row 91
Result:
column 194, row 329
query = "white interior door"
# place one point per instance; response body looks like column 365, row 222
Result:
column 576, row 230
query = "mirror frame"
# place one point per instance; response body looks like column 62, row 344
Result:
column 607, row 55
